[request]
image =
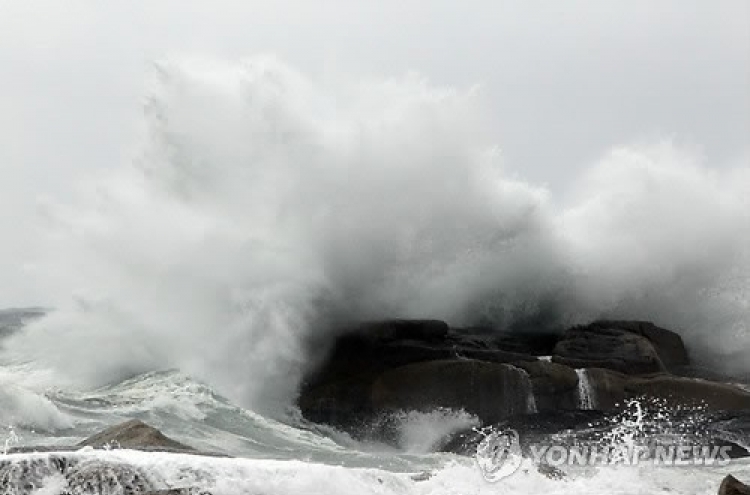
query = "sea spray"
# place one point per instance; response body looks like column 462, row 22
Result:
column 424, row 432
column 264, row 207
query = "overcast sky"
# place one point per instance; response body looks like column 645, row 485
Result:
column 563, row 81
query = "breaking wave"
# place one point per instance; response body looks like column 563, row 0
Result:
column 264, row 208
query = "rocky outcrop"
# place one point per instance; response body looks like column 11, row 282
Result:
column 553, row 385
column 380, row 367
column 134, row 434
column 76, row 473
column 611, row 388
column 724, row 430
column 490, row 391
column 367, row 367
column 631, row 347
column 732, row 486
column 607, row 348
column 67, row 474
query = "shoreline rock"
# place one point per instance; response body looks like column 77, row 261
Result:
column 379, row 368
column 134, row 434
column 85, row 474
column 732, row 486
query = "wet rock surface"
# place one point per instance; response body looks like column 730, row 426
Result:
column 732, row 486
column 722, row 429
column 64, row 471
column 377, row 368
column 134, row 434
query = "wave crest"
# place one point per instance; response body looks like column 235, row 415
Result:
column 264, row 206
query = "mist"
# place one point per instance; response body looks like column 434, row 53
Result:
column 561, row 84
column 264, row 205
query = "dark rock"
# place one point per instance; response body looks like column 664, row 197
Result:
column 492, row 355
column 339, row 392
column 86, row 474
column 134, row 434
column 732, row 486
column 390, row 330
column 632, row 347
column 611, row 389
column 381, row 367
column 370, row 348
column 489, row 390
column 611, row 348
column 527, row 343
column 344, row 403
column 600, row 428
column 532, row 428
column 691, row 392
column 668, row 344
column 554, row 384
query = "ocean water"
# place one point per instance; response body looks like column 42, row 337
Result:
column 274, row 457
column 262, row 209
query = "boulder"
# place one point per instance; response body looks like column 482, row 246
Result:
column 85, row 474
column 668, row 344
column 527, row 343
column 134, row 434
column 732, row 486
column 554, row 385
column 677, row 391
column 370, row 348
column 344, row 403
column 611, row 388
column 490, row 391
column 375, row 368
column 633, row 347
column 612, row 348
column 339, row 391
column 532, row 429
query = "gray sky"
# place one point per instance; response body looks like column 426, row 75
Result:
column 563, row 81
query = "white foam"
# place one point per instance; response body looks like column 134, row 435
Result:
column 22, row 407
column 263, row 205
column 457, row 476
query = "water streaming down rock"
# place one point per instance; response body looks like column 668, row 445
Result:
column 529, row 392
column 586, row 396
